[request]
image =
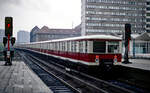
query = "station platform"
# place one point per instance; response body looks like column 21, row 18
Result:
column 18, row 78
column 143, row 64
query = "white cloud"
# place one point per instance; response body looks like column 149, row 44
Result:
column 52, row 13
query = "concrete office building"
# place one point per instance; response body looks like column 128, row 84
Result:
column 2, row 34
column 23, row 37
column 110, row 16
column 148, row 16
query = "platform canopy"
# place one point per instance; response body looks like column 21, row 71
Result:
column 144, row 37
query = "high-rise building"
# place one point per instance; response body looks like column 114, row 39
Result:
column 148, row 15
column 110, row 16
column 2, row 34
column 23, row 37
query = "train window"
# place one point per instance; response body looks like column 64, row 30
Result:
column 99, row 46
column 43, row 45
column 68, row 46
column 51, row 46
column 113, row 47
column 36, row 46
column 60, row 46
column 75, row 46
column 57, row 46
column 71, row 46
column 63, row 46
column 86, row 46
column 81, row 46
column 48, row 46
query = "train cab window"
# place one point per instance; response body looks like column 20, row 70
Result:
column 113, row 47
column 99, row 46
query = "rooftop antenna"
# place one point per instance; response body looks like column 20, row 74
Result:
column 72, row 24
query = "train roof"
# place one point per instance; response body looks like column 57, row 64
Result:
column 89, row 37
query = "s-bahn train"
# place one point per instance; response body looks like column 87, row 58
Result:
column 85, row 51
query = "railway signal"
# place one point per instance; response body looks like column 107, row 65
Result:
column 8, row 26
column 127, row 42
column 13, row 40
column 127, row 31
column 4, row 41
column 8, row 40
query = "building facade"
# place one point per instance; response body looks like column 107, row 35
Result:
column 148, row 16
column 139, row 45
column 110, row 16
column 46, row 33
column 33, row 34
column 23, row 37
column 2, row 34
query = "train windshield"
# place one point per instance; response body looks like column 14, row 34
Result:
column 99, row 46
column 113, row 47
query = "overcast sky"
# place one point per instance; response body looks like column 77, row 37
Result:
column 29, row 13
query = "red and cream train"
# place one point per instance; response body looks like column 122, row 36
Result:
column 93, row 50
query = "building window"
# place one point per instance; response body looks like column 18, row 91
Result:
column 148, row 14
column 148, row 8
column 148, row 20
column 148, row 3
column 148, row 25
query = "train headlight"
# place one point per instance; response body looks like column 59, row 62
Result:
column 97, row 59
column 115, row 59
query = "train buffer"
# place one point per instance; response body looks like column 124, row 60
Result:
column 18, row 78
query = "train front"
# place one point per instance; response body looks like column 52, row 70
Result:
column 107, row 52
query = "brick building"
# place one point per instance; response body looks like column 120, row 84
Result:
column 46, row 33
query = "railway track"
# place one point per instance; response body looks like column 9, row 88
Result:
column 80, row 81
column 53, row 82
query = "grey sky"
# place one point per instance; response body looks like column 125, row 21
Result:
column 52, row 13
